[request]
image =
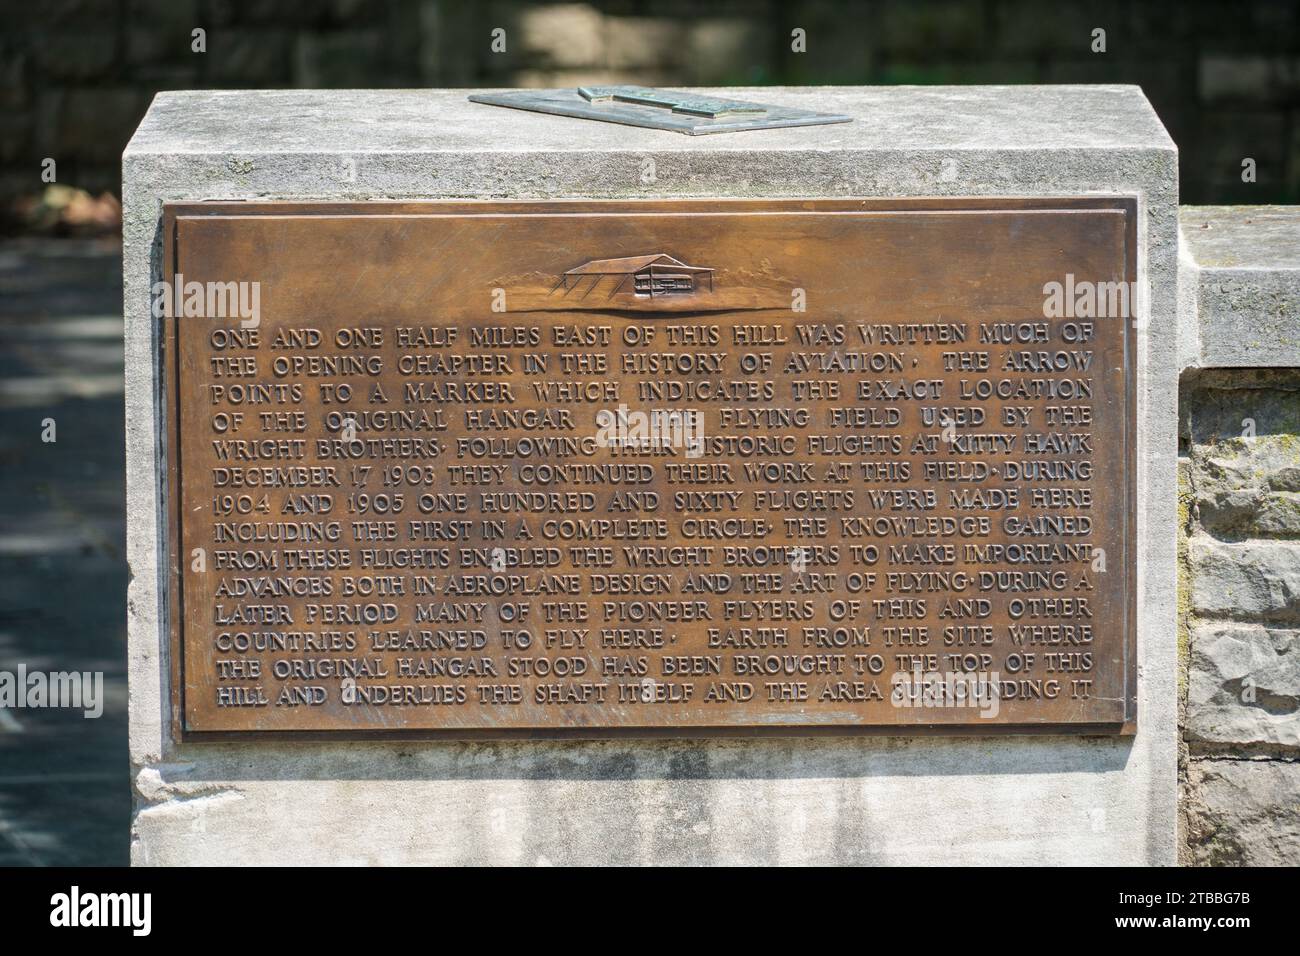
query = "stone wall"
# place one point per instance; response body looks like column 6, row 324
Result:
column 1240, row 549
column 1240, row 489
column 77, row 75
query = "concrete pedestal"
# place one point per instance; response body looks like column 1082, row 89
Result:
column 1037, row 800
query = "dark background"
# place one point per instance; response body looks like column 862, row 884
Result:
column 77, row 75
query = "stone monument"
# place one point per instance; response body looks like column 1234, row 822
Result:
column 514, row 488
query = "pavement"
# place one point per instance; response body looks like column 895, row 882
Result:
column 65, row 794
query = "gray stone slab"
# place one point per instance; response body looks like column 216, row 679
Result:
column 1241, row 294
column 1244, row 813
column 1245, row 579
column 1244, row 685
column 922, row 800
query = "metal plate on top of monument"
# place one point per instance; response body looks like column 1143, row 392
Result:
column 665, row 468
column 690, row 113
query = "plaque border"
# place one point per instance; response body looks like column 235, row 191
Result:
column 171, row 477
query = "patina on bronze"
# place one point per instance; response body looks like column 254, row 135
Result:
column 681, row 112
column 662, row 468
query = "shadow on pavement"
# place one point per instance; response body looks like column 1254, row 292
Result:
column 64, row 779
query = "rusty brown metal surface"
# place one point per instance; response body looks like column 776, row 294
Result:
column 660, row 468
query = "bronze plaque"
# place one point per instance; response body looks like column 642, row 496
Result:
column 664, row 468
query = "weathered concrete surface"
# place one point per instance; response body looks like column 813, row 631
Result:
column 851, row 801
column 1244, row 812
column 1029, row 800
column 1241, row 292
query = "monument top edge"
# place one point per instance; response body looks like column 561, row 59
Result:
column 904, row 118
